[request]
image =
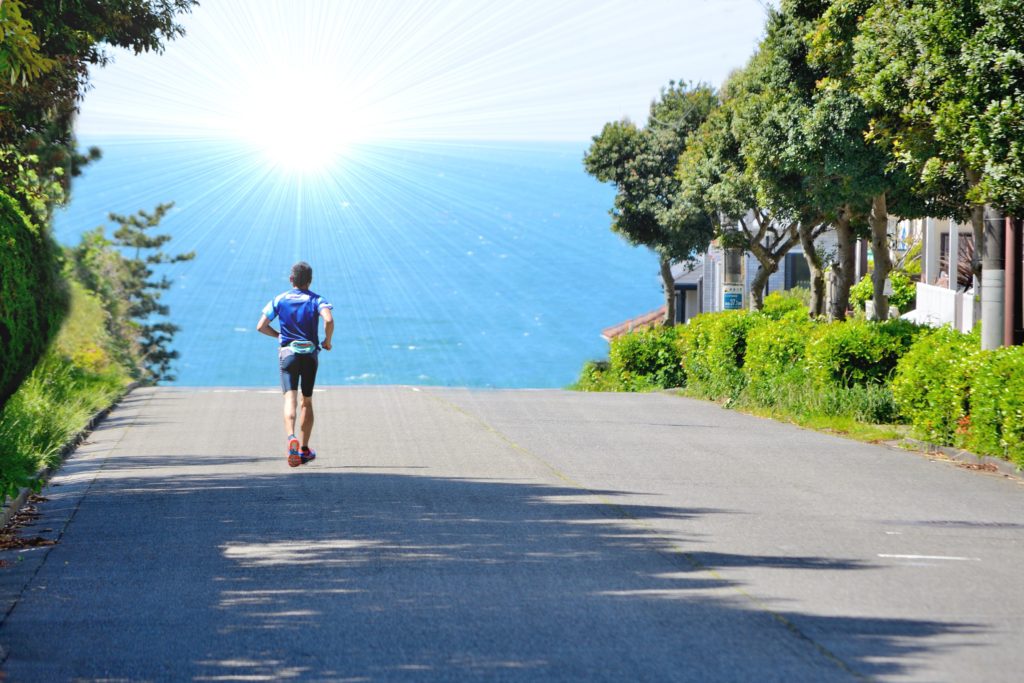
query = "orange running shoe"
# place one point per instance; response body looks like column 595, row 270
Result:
column 294, row 459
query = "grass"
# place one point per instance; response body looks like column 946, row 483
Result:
column 78, row 376
column 840, row 425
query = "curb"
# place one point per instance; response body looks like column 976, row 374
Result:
column 987, row 462
column 1004, row 467
column 12, row 506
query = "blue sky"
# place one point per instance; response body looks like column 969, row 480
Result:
column 354, row 70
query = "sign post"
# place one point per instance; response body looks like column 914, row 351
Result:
column 732, row 280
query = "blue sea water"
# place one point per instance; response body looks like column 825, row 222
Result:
column 471, row 264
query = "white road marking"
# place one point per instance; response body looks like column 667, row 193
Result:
column 893, row 533
column 932, row 557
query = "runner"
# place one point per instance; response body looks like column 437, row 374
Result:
column 300, row 311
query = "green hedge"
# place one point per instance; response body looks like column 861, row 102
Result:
column 857, row 352
column 996, row 420
column 33, row 297
column 643, row 360
column 954, row 394
column 936, row 379
column 775, row 356
column 648, row 358
column 695, row 341
column 932, row 383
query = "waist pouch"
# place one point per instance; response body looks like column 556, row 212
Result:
column 302, row 347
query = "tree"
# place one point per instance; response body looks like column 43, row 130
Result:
column 909, row 68
column 887, row 187
column 46, row 50
column 715, row 176
column 995, row 58
column 120, row 272
column 793, row 167
column 52, row 46
column 20, row 58
column 641, row 163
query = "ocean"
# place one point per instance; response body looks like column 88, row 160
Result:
column 478, row 264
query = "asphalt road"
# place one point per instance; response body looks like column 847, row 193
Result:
column 446, row 534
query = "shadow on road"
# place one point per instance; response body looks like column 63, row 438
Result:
column 326, row 574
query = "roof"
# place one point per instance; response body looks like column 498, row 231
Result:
column 646, row 320
column 687, row 272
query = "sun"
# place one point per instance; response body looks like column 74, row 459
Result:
column 303, row 120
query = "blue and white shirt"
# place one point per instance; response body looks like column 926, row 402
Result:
column 299, row 311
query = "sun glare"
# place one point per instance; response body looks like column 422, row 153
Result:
column 303, row 121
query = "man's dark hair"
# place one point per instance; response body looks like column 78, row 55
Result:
column 302, row 275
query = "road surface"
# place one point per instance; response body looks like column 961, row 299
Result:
column 449, row 534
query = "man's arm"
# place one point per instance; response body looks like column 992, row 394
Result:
column 263, row 326
column 328, row 317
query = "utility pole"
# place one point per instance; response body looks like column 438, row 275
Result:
column 733, row 284
column 1013, row 325
column 993, row 279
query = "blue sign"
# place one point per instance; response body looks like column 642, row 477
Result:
column 732, row 301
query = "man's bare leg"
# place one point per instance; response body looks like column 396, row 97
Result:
column 290, row 398
column 307, row 420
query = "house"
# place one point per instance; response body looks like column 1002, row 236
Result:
column 698, row 288
column 942, row 298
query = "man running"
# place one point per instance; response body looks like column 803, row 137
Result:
column 300, row 311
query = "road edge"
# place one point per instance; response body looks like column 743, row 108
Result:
column 13, row 505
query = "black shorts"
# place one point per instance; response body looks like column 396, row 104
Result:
column 298, row 368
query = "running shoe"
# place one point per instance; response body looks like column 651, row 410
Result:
column 307, row 454
column 294, row 459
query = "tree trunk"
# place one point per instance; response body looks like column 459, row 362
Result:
column 879, row 220
column 817, row 306
column 844, row 266
column 978, row 231
column 764, row 271
column 668, row 283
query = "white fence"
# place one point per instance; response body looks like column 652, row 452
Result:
column 937, row 306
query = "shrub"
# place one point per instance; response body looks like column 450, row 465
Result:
column 77, row 376
column 695, row 339
column 932, row 382
column 33, row 299
column 857, row 352
column 775, row 355
column 715, row 347
column 778, row 305
column 648, row 358
column 904, row 291
column 996, row 425
column 596, row 376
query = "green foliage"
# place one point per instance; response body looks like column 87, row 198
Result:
column 48, row 49
column 20, row 58
column 79, row 374
column 128, row 288
column 695, row 341
column 33, row 299
column 997, row 404
column 641, row 164
column 994, row 56
column 778, row 305
column 715, row 346
column 932, row 382
column 648, row 358
column 904, row 291
column 596, row 376
column 858, row 353
column 775, row 351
